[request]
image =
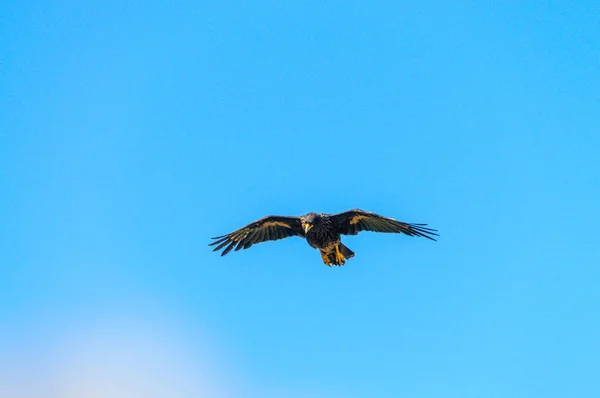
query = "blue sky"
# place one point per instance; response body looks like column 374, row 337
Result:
column 133, row 132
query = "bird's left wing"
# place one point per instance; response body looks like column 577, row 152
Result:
column 353, row 221
column 267, row 228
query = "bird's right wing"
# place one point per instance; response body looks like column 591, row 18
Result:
column 267, row 228
column 353, row 221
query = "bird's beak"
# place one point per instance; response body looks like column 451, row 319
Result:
column 307, row 227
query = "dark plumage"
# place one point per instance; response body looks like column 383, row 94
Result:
column 322, row 231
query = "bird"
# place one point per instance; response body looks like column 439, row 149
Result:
column 322, row 231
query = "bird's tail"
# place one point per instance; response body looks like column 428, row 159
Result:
column 336, row 256
column 347, row 253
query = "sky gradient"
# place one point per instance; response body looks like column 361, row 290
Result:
column 131, row 133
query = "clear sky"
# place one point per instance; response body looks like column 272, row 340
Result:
column 132, row 132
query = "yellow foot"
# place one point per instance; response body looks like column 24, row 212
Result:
column 325, row 257
column 339, row 257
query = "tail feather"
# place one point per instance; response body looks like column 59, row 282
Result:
column 345, row 251
column 336, row 256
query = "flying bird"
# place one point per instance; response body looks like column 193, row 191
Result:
column 321, row 231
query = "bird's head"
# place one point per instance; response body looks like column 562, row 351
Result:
column 309, row 221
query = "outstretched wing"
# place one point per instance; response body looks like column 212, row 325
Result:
column 267, row 228
column 353, row 221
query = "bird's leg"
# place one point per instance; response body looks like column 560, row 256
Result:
column 325, row 257
column 339, row 257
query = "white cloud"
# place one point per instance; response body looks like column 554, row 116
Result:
column 120, row 357
column 112, row 359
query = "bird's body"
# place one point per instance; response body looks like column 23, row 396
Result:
column 321, row 234
column 321, row 231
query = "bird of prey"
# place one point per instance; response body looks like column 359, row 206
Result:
column 322, row 231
